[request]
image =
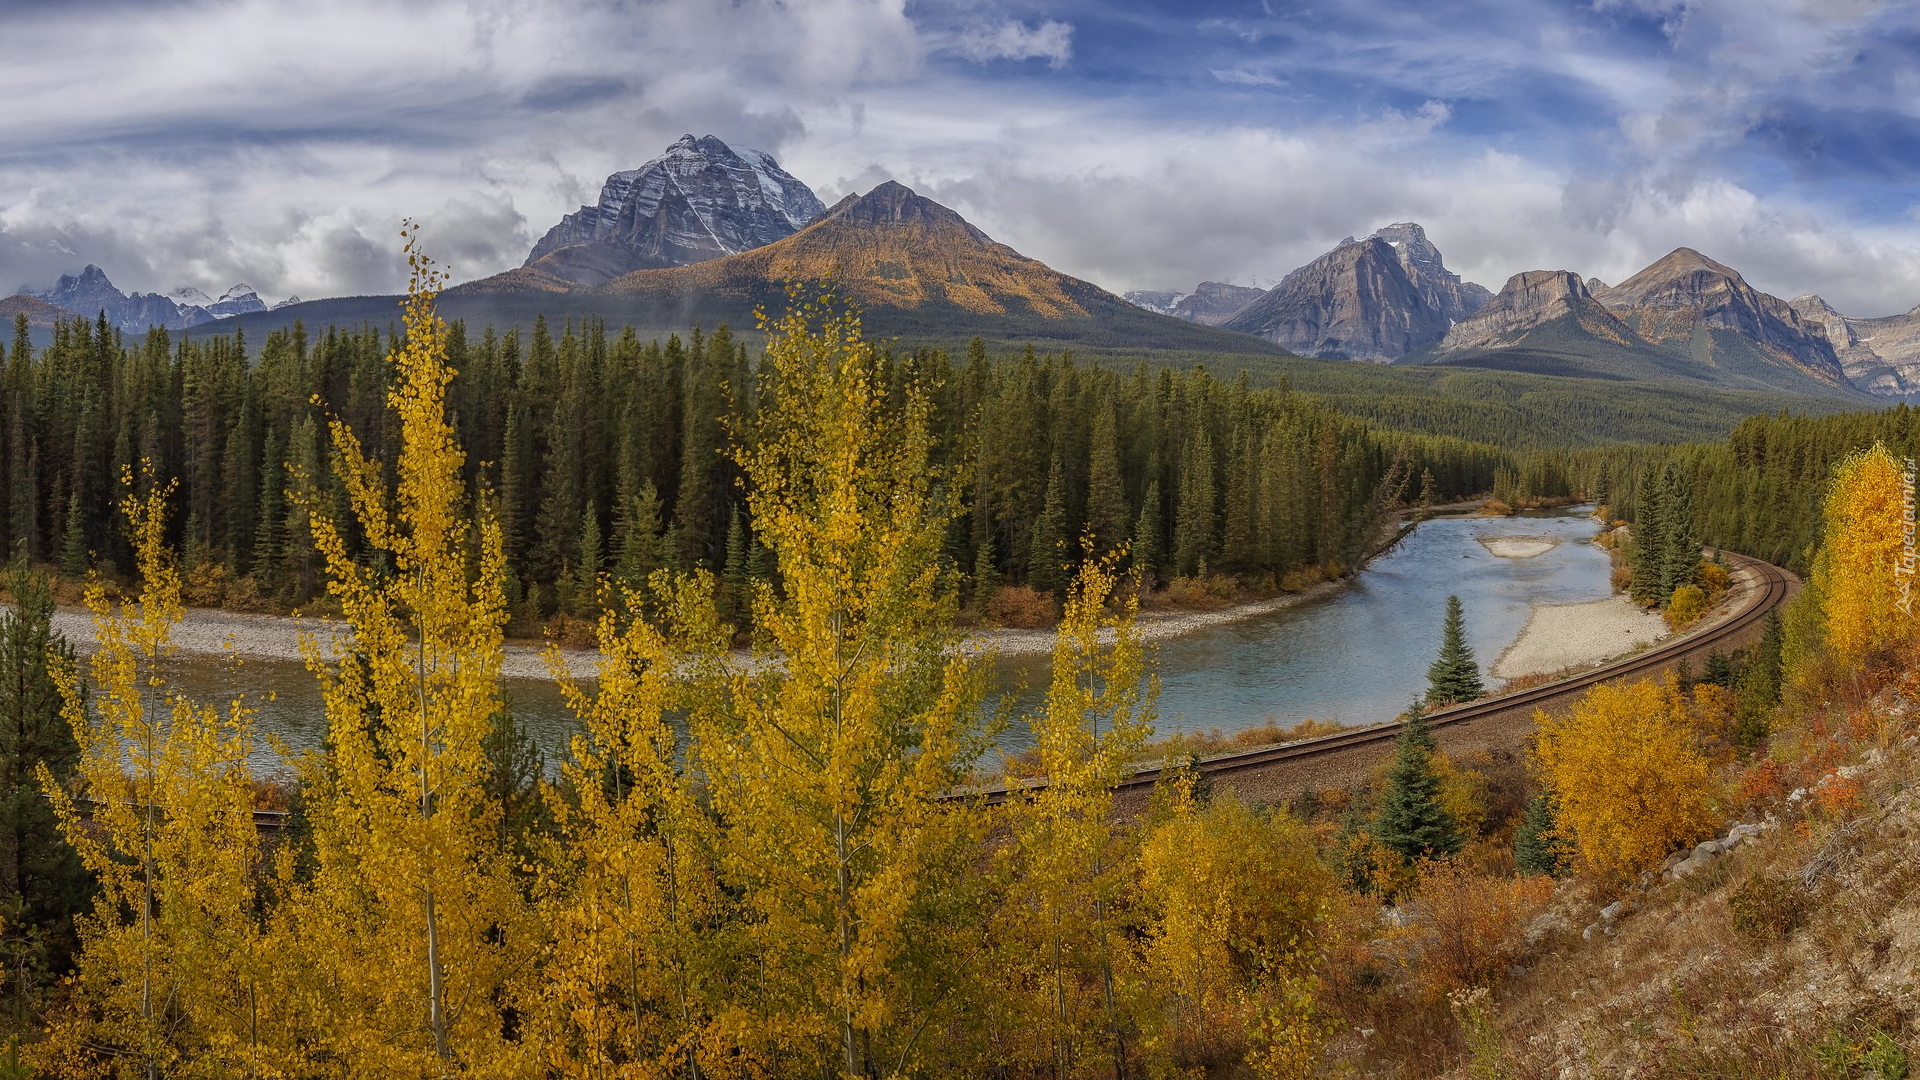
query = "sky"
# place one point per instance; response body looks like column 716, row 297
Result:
column 1137, row 144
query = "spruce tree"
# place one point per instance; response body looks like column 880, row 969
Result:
column 1146, row 536
column 1106, row 498
column 42, row 884
column 1196, row 510
column 1454, row 677
column 1411, row 819
column 1679, row 545
column 1046, row 556
column 1535, row 851
column 1649, row 543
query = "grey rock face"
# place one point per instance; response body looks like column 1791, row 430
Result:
column 1374, row 299
column 1529, row 301
column 1441, row 288
column 1667, row 302
column 1210, row 303
column 1880, row 356
column 700, row 200
column 89, row 293
column 1354, row 303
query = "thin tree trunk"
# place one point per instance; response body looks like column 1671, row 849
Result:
column 436, row 1010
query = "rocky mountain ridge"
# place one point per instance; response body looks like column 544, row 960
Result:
column 89, row 293
column 700, row 200
column 1376, row 299
column 1210, row 303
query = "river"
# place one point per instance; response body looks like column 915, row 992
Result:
column 1356, row 656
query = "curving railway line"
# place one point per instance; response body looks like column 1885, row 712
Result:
column 1496, row 724
column 1500, row 723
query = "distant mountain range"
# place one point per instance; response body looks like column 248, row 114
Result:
column 1390, row 299
column 708, row 233
column 89, row 294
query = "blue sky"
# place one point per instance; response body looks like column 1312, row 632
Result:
column 1137, row 144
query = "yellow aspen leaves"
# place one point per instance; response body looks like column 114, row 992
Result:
column 1629, row 782
column 1066, row 863
column 411, row 918
column 825, row 756
column 172, row 958
column 1865, row 522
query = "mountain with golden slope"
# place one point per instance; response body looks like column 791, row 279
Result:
column 913, row 266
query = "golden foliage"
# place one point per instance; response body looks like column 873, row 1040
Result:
column 634, row 978
column 1685, row 607
column 1629, row 783
column 1854, row 572
column 173, row 954
column 1237, row 897
column 1065, row 863
column 824, row 757
column 411, row 919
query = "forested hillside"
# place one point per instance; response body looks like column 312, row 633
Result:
column 603, row 453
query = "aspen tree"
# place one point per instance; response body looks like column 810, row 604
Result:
column 1854, row 573
column 161, row 813
column 412, row 913
column 825, row 756
column 635, row 978
column 1627, row 782
column 1066, row 861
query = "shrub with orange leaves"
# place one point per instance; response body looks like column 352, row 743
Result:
column 1472, row 924
column 1628, row 780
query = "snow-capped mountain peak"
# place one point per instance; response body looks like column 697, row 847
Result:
column 701, row 199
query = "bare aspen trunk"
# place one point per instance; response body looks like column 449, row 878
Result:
column 436, row 1010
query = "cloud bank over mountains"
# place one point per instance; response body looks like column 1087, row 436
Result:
column 1139, row 145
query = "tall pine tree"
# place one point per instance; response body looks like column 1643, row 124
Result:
column 1412, row 821
column 1454, row 676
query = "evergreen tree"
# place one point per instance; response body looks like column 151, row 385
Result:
column 586, row 590
column 1411, row 819
column 42, row 885
column 1649, row 543
column 1535, row 851
column 1454, row 677
column 1146, row 536
column 1679, row 555
column 641, row 549
column 1106, row 498
column 73, row 543
column 1046, row 560
column 1195, row 508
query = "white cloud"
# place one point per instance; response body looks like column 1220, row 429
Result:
column 1051, row 41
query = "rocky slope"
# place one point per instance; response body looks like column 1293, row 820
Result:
column 40, row 314
column 1529, row 302
column 916, row 269
column 1880, row 356
column 1210, row 303
column 1688, row 302
column 89, row 293
column 700, row 200
column 1441, row 288
column 1375, row 299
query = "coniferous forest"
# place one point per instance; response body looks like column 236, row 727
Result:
column 604, row 453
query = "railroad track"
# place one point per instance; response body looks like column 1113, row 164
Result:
column 1772, row 590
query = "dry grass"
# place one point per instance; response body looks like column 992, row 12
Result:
column 1213, row 742
column 1791, row 957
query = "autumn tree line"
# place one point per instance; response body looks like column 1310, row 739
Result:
column 784, row 865
column 606, row 453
